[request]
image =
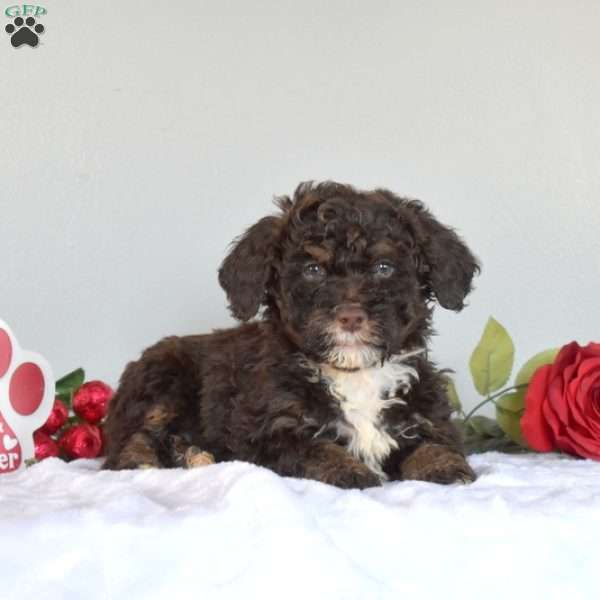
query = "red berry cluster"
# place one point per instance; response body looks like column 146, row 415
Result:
column 74, row 427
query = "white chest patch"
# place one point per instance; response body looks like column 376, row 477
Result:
column 363, row 396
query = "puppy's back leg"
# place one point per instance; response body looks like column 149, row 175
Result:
column 147, row 447
column 138, row 453
column 158, row 397
column 153, row 446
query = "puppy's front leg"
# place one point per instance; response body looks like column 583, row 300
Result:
column 437, row 463
column 430, row 449
column 323, row 461
column 330, row 463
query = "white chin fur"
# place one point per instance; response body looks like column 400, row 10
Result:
column 351, row 351
column 359, row 356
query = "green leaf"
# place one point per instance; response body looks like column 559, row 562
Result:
column 482, row 434
column 513, row 402
column 66, row 386
column 510, row 423
column 530, row 367
column 71, row 381
column 504, row 444
column 483, row 427
column 492, row 360
column 509, row 410
column 452, row 395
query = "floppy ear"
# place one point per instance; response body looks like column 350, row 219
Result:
column 448, row 264
column 246, row 270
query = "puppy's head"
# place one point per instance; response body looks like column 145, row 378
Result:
column 349, row 275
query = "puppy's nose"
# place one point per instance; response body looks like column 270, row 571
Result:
column 351, row 317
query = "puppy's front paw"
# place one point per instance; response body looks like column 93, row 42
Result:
column 359, row 476
column 437, row 464
column 333, row 465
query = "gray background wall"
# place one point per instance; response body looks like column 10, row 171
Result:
column 139, row 138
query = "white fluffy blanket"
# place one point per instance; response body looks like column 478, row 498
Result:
column 528, row 528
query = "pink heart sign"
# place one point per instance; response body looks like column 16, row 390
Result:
column 26, row 399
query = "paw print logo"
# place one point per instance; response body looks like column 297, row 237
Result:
column 24, row 32
column 26, row 399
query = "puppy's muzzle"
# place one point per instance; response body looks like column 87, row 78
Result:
column 350, row 317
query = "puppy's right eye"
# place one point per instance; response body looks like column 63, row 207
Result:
column 314, row 272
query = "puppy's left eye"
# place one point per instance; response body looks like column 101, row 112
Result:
column 383, row 269
column 314, row 272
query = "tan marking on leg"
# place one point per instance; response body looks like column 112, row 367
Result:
column 137, row 453
column 157, row 417
column 189, row 456
column 438, row 464
column 194, row 457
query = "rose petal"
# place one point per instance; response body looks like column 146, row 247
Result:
column 588, row 389
column 591, row 350
column 555, row 395
column 551, row 417
column 567, row 401
column 567, row 355
column 595, row 394
column 570, row 372
column 534, row 426
column 588, row 365
column 576, row 408
column 566, row 444
column 574, row 442
column 562, row 370
column 595, row 409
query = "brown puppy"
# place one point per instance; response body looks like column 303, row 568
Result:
column 332, row 382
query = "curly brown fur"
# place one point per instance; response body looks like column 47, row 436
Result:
column 332, row 382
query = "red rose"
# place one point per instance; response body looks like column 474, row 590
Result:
column 58, row 417
column 562, row 405
column 90, row 401
column 45, row 446
column 82, row 441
